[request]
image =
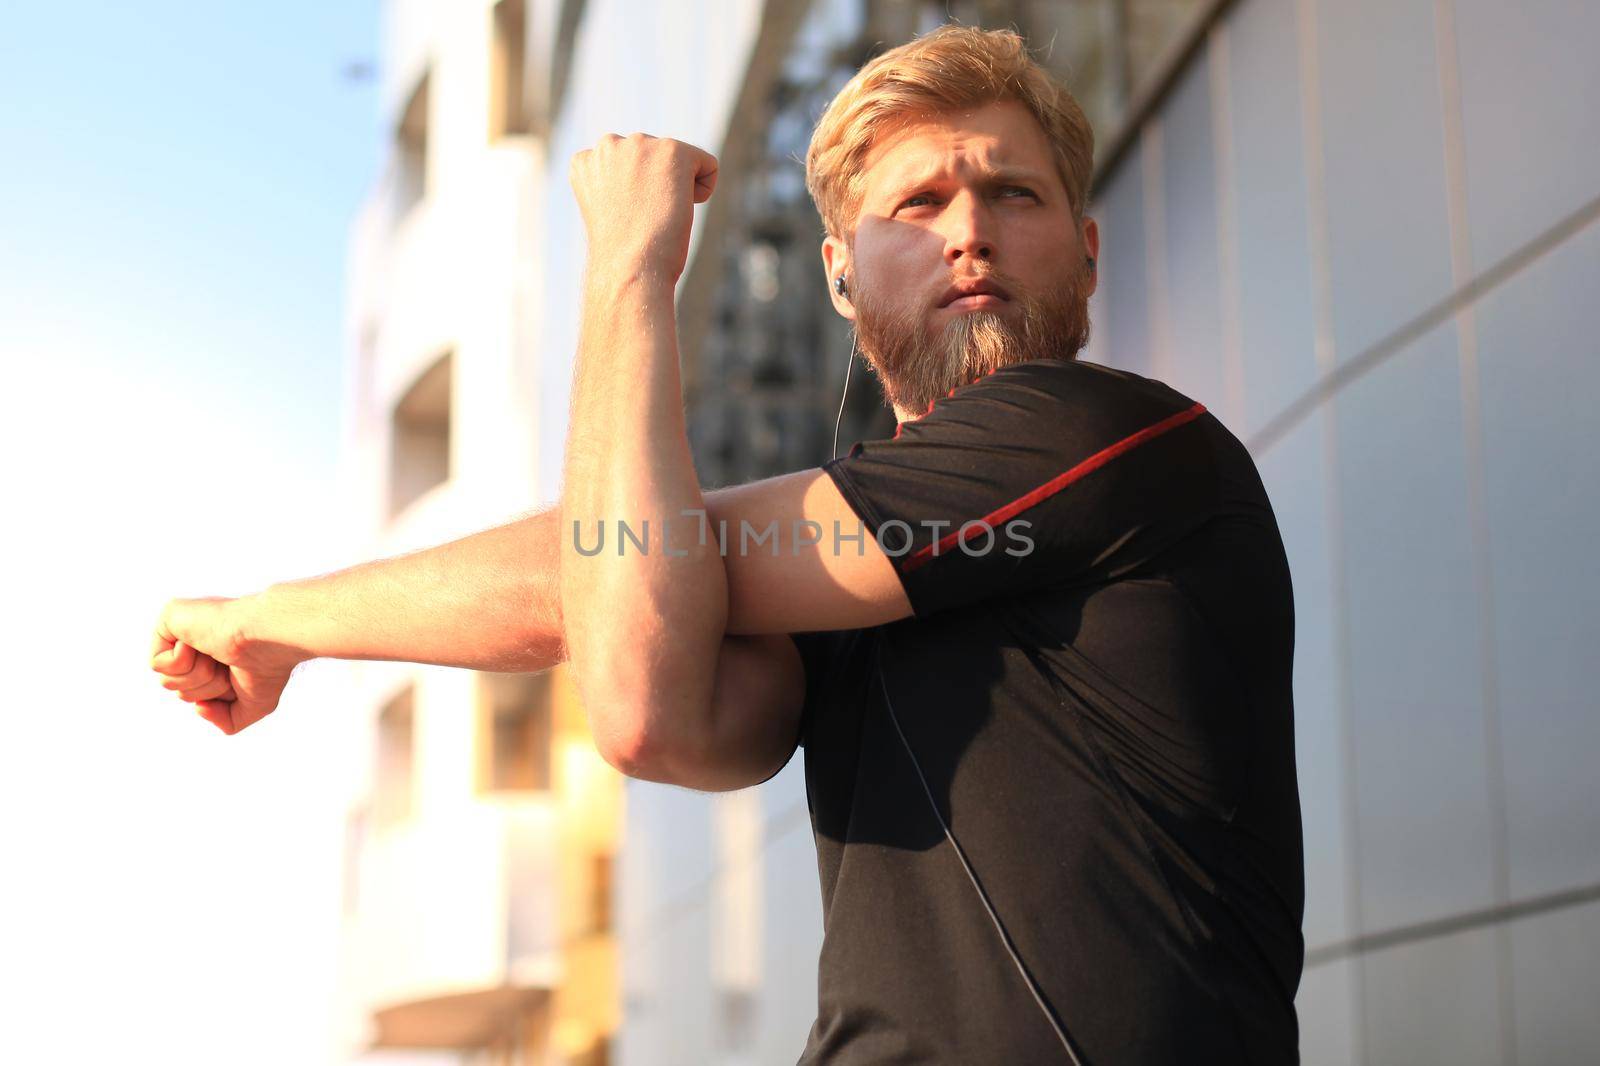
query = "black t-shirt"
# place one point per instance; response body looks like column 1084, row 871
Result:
column 1100, row 704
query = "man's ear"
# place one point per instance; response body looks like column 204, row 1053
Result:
column 836, row 264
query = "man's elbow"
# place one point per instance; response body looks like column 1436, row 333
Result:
column 683, row 767
column 621, row 730
column 640, row 742
column 649, row 715
column 626, row 752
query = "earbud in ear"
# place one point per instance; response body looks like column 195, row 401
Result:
column 840, row 287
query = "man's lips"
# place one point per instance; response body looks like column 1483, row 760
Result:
column 975, row 293
column 982, row 299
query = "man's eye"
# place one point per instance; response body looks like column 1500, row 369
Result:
column 1008, row 188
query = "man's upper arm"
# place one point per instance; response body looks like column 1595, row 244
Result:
column 1043, row 474
column 799, row 559
column 757, row 705
column 1040, row 474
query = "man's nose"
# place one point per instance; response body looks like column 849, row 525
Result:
column 968, row 229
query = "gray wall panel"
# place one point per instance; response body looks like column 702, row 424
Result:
column 1383, row 147
column 1539, row 350
column 1194, row 300
column 1415, row 693
column 1122, row 303
column 1327, row 1023
column 1275, row 322
column 1529, row 83
column 685, row 999
column 1556, row 970
column 794, row 931
column 1433, row 1003
column 1293, row 473
column 666, row 852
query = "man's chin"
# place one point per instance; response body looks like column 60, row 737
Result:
column 966, row 344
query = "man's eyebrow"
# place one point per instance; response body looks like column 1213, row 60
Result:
column 990, row 174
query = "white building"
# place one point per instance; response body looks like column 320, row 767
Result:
column 481, row 842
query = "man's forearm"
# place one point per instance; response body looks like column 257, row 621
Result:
column 645, row 626
column 490, row 601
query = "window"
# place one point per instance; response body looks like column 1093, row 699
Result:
column 411, row 151
column 508, row 102
column 420, row 437
column 516, row 715
column 391, row 799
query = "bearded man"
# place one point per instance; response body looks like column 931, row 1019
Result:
column 1037, row 646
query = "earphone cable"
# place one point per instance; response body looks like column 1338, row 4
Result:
column 1005, row 938
column 849, row 367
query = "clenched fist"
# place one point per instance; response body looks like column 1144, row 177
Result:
column 637, row 195
column 206, row 653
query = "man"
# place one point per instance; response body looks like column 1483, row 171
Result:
column 1037, row 646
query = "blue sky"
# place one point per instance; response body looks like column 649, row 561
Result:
column 176, row 186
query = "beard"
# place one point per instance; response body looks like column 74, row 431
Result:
column 915, row 369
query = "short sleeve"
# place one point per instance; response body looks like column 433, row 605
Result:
column 1043, row 473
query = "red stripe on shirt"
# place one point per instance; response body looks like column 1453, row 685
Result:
column 1054, row 485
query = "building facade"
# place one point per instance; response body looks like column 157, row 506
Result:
column 483, row 835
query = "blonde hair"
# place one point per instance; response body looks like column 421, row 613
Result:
column 945, row 69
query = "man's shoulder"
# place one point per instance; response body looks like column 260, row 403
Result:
column 1065, row 410
column 1078, row 388
column 1080, row 373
